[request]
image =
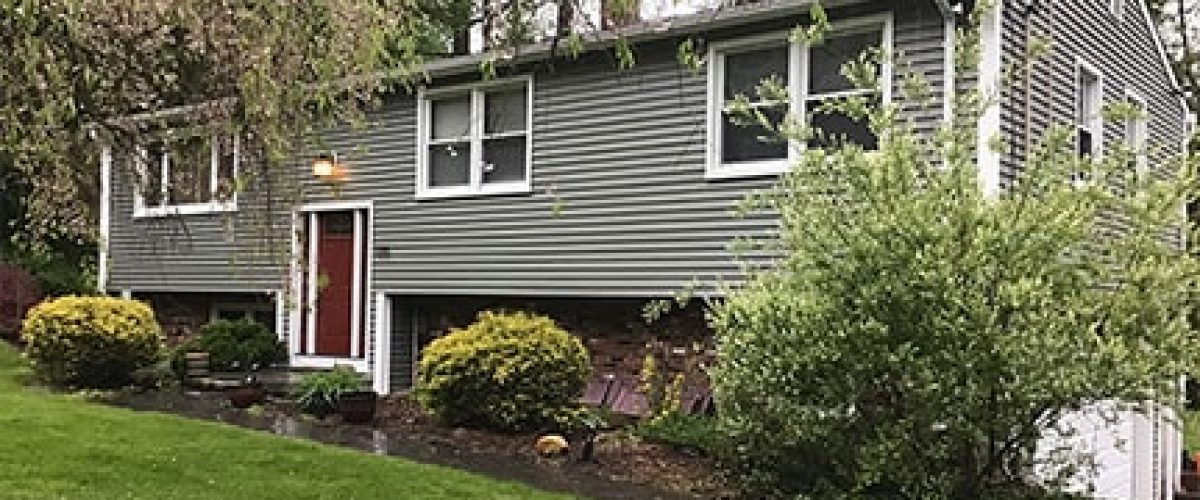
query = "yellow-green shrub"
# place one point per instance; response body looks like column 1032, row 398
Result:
column 507, row 371
column 91, row 341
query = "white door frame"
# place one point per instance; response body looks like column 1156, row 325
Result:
column 364, row 236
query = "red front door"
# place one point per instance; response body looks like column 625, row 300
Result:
column 335, row 282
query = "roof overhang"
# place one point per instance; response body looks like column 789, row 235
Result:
column 723, row 17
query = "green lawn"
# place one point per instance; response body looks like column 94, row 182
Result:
column 56, row 446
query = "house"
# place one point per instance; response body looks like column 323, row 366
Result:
column 578, row 190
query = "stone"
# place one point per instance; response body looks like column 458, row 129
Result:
column 552, row 445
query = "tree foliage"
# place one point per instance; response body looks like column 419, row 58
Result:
column 918, row 338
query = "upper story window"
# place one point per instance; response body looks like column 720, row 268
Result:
column 812, row 74
column 1089, row 124
column 189, row 175
column 475, row 139
column 1135, row 132
column 1117, row 7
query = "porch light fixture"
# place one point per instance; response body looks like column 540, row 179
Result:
column 327, row 168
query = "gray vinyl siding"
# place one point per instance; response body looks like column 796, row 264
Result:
column 1122, row 48
column 225, row 252
column 620, row 153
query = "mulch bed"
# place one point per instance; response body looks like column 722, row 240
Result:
column 624, row 466
column 618, row 455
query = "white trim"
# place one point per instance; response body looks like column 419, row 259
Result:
column 329, row 362
column 949, row 72
column 476, row 119
column 364, row 237
column 298, row 308
column 990, row 69
column 105, row 218
column 310, row 340
column 356, row 282
column 280, row 315
column 126, row 293
column 140, row 210
column 797, row 74
column 1095, row 123
column 383, row 344
column 1117, row 9
column 1142, row 131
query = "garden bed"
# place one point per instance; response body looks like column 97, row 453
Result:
column 624, row 466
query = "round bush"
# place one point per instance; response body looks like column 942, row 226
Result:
column 234, row 345
column 91, row 341
column 506, row 371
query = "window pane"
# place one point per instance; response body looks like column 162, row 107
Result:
column 1086, row 99
column 504, row 111
column 825, row 61
column 1083, row 142
column 265, row 318
column 226, row 159
column 451, row 118
column 190, row 170
column 833, row 129
column 504, row 159
column 746, row 143
column 231, row 314
column 449, row 164
column 745, row 70
column 151, row 175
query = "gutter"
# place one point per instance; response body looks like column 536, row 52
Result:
column 723, row 17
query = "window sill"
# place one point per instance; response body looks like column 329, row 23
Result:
column 188, row 209
column 746, row 169
column 467, row 192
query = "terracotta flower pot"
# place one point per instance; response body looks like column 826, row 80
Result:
column 245, row 396
column 357, row 407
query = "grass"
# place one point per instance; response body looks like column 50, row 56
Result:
column 61, row 446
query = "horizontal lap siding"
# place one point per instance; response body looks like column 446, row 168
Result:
column 228, row 252
column 620, row 206
column 621, row 157
column 1124, row 51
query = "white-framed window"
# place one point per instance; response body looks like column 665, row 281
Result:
column 475, row 139
column 1089, row 103
column 263, row 314
column 1117, row 7
column 186, row 175
column 810, row 72
column 1135, row 130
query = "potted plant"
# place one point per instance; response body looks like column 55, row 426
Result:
column 341, row 390
column 357, row 407
column 247, row 393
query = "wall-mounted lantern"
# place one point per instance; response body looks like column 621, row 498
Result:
column 326, row 167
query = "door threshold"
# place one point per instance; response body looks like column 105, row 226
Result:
column 327, row 362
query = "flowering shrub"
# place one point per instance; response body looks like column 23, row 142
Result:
column 506, row 371
column 91, row 341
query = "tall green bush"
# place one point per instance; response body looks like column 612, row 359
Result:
column 91, row 341
column 506, row 371
column 920, row 335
